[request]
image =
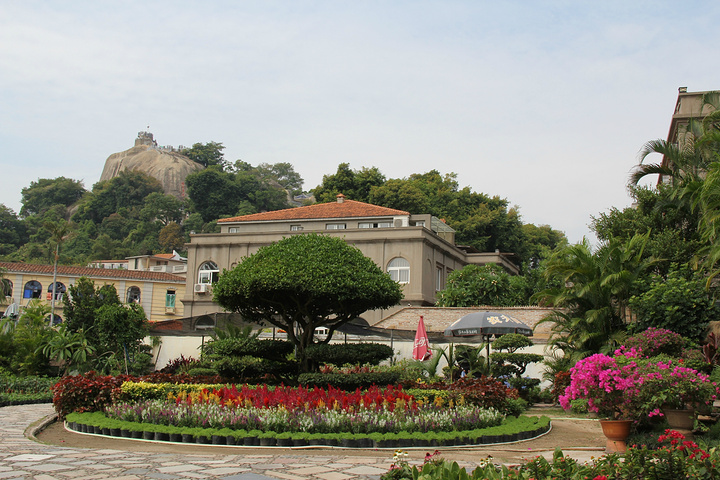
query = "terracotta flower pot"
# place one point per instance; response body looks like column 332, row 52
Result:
column 616, row 432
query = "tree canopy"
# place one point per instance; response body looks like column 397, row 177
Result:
column 304, row 282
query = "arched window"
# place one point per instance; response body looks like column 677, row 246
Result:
column 133, row 295
column 7, row 287
column 59, row 291
column 399, row 270
column 208, row 273
column 32, row 289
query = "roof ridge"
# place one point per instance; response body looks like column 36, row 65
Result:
column 346, row 208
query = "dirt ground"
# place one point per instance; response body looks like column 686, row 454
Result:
column 566, row 433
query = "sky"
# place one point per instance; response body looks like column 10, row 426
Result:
column 543, row 103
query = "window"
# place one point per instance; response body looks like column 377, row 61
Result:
column 7, row 287
column 209, row 272
column 170, row 299
column 375, row 225
column 32, row 289
column 439, row 278
column 296, row 228
column 399, row 270
column 59, row 291
column 335, row 226
column 234, row 230
column 420, row 223
column 133, row 295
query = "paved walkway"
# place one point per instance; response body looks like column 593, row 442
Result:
column 21, row 457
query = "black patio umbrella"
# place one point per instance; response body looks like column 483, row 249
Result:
column 487, row 324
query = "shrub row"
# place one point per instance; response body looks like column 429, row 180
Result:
column 252, row 347
column 353, row 353
column 512, row 430
column 348, row 381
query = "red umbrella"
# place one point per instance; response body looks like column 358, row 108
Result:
column 421, row 347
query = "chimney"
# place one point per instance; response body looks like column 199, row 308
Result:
column 682, row 89
column 340, row 198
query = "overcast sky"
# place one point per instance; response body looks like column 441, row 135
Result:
column 544, row 103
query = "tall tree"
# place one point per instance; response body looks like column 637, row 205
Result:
column 593, row 293
column 126, row 191
column 206, row 154
column 46, row 192
column 304, row 282
column 59, row 232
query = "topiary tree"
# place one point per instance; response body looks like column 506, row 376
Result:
column 304, row 282
column 508, row 362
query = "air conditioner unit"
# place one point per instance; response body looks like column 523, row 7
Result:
column 201, row 287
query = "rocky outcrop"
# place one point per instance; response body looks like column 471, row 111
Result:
column 164, row 163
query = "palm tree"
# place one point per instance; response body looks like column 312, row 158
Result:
column 59, row 232
column 592, row 303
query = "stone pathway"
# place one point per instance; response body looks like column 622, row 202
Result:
column 21, row 457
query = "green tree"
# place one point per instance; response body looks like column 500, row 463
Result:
column 214, row 194
column 126, row 191
column 81, row 306
column 28, row 337
column 283, row 174
column 171, row 238
column 673, row 236
column 46, row 193
column 677, row 302
column 354, row 184
column 476, row 285
column 304, row 282
column 12, row 231
column 593, row 294
column 59, row 232
column 207, row 154
column 162, row 208
column 120, row 330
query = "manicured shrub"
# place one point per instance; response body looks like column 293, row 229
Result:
column 349, row 381
column 352, row 353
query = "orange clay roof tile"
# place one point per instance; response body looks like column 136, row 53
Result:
column 345, row 209
column 13, row 267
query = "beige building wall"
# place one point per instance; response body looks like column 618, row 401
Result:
column 153, row 287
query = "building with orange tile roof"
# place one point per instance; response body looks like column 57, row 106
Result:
column 159, row 293
column 418, row 251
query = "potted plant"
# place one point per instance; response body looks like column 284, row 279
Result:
column 610, row 386
column 675, row 391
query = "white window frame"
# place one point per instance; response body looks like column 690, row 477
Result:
column 233, row 229
column 399, row 270
column 208, row 272
column 335, row 226
column 296, row 228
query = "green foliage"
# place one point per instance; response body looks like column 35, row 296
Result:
column 507, row 362
column 126, row 192
column 45, row 193
column 305, row 281
column 678, row 302
column 349, row 381
column 22, row 341
column 476, row 285
column 353, row 353
column 594, row 289
column 12, row 231
column 250, row 369
column 206, row 154
column 354, row 184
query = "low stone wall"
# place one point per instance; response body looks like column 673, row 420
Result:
column 437, row 319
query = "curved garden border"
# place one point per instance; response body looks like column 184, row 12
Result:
column 141, row 431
